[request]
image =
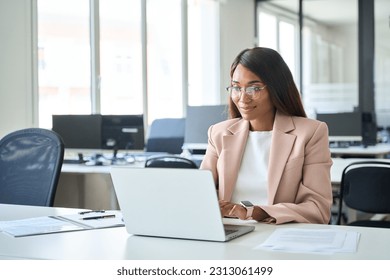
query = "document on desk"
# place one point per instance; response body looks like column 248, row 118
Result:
column 55, row 224
column 312, row 240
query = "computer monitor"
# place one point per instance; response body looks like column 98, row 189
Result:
column 198, row 121
column 343, row 127
column 115, row 132
column 79, row 131
column 123, row 132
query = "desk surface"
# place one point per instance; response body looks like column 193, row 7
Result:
column 378, row 150
column 340, row 163
column 117, row 244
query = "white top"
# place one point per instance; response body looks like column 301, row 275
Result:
column 252, row 180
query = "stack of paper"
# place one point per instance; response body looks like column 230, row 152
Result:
column 312, row 240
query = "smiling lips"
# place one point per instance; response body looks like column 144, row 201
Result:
column 248, row 108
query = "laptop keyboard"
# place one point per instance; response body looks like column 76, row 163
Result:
column 230, row 231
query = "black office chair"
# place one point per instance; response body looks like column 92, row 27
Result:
column 365, row 187
column 30, row 166
column 170, row 161
column 166, row 135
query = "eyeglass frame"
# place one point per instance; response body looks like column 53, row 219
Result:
column 255, row 90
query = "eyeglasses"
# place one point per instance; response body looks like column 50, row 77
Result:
column 252, row 92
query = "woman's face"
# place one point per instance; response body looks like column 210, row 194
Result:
column 254, row 108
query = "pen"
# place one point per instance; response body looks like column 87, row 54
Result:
column 91, row 211
column 98, row 217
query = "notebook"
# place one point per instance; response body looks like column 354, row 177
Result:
column 172, row 202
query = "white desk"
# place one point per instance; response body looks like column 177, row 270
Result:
column 378, row 151
column 117, row 244
column 340, row 163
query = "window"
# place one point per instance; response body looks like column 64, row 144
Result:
column 277, row 33
column 63, row 58
column 382, row 64
column 267, row 31
column 330, row 57
column 164, row 56
column 66, row 57
column 120, row 57
column 329, row 50
column 287, row 45
column 203, row 53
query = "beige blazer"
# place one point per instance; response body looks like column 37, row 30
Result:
column 299, row 181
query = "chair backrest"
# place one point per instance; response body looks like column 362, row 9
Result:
column 365, row 186
column 170, row 161
column 30, row 166
column 166, row 135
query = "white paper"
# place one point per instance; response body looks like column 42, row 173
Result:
column 311, row 240
column 39, row 225
column 53, row 224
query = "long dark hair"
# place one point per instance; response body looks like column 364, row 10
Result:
column 270, row 67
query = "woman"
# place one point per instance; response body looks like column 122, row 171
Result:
column 269, row 152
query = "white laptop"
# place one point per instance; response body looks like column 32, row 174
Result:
column 175, row 203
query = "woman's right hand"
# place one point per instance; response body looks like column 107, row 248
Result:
column 232, row 210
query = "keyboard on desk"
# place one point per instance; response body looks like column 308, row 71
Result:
column 73, row 161
column 230, row 231
column 145, row 154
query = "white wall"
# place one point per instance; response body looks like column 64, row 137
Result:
column 16, row 94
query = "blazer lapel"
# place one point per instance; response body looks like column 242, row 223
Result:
column 233, row 150
column 281, row 146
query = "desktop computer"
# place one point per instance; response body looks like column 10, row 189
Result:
column 369, row 129
column 93, row 134
column 350, row 128
column 198, row 121
column 345, row 129
column 123, row 132
column 79, row 131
